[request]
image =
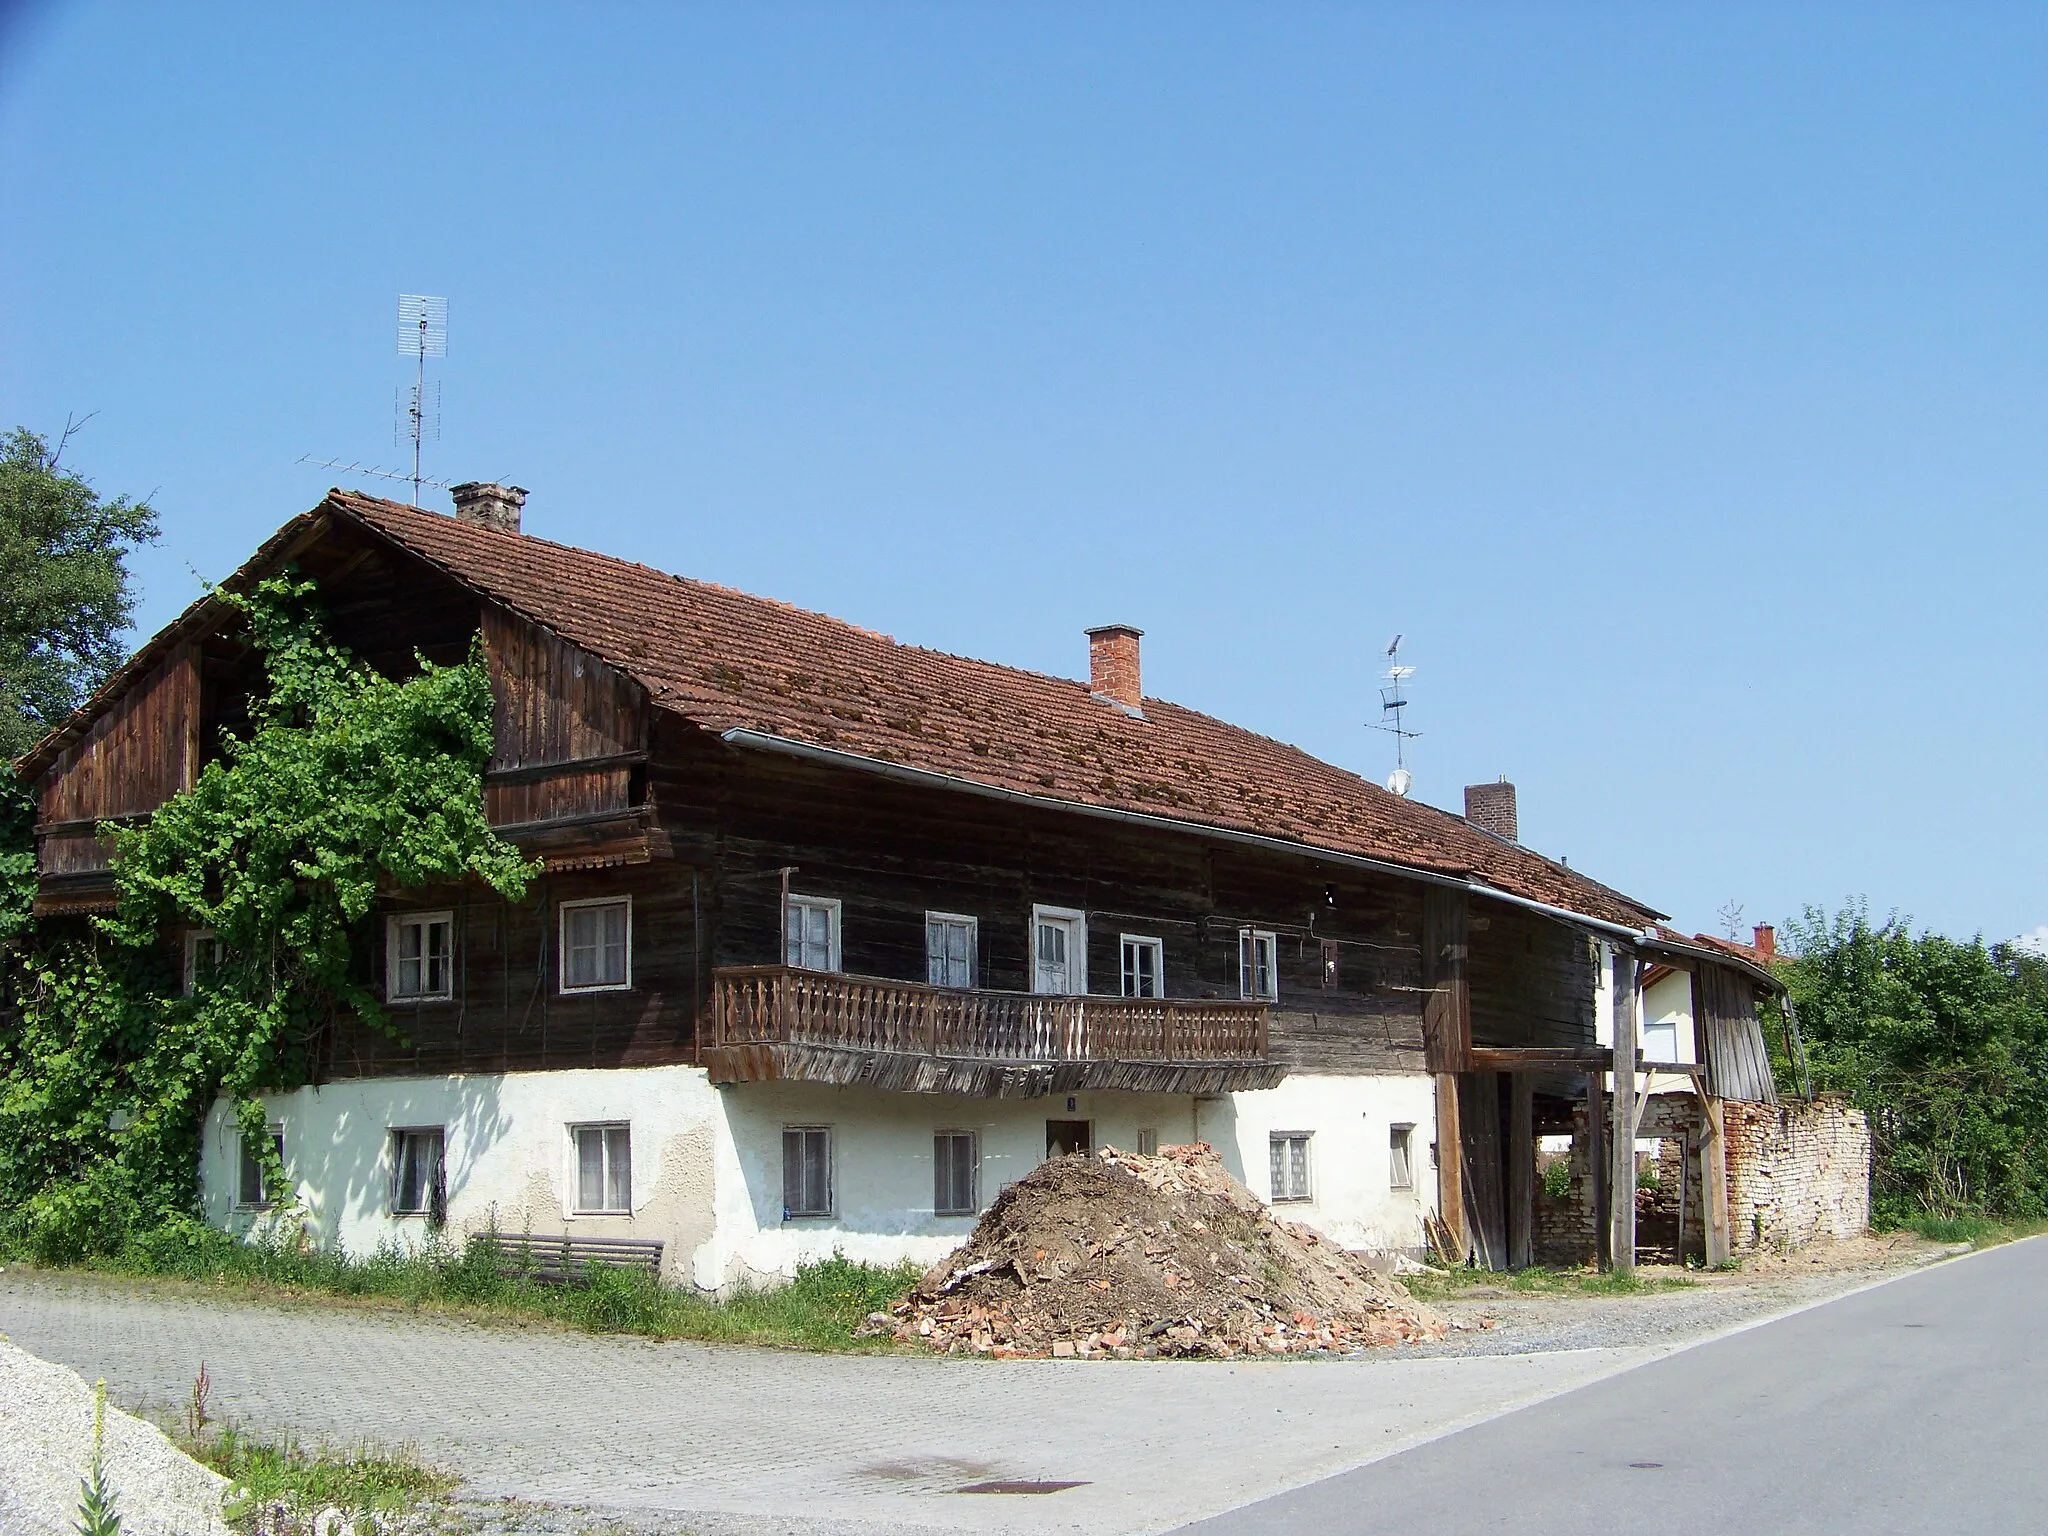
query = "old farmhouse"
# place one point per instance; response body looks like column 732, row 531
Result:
column 838, row 936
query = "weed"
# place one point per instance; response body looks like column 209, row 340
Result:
column 819, row 1309
column 1977, row 1231
column 96, row 1513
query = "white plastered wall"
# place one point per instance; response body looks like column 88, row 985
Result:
column 1349, row 1119
column 707, row 1162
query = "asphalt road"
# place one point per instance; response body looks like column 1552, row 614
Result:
column 1917, row 1406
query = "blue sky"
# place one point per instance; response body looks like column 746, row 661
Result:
column 1672, row 377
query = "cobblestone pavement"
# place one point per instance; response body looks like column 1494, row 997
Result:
column 730, row 1441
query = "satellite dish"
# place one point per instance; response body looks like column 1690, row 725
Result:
column 1400, row 781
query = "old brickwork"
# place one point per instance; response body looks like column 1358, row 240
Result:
column 1797, row 1173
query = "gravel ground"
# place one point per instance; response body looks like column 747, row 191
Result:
column 1499, row 1321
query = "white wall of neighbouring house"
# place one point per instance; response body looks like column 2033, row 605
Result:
column 1352, row 1197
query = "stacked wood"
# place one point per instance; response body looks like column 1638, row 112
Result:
column 1114, row 1255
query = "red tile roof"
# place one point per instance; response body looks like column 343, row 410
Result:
column 730, row 661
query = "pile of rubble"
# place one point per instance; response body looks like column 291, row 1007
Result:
column 1114, row 1255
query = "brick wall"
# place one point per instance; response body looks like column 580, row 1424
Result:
column 1797, row 1173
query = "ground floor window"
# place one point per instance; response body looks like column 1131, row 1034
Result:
column 250, row 1194
column 1288, row 1152
column 1401, row 1157
column 1148, row 1142
column 956, row 1169
column 419, row 1181
column 806, row 1171
column 604, row 1170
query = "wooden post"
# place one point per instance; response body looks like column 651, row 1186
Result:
column 1521, row 1171
column 1596, row 1162
column 1623, row 1241
column 1450, row 1162
column 1714, row 1184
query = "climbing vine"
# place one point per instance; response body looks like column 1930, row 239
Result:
column 348, row 783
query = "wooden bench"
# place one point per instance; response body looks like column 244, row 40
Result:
column 566, row 1260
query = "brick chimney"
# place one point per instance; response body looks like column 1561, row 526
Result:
column 1113, row 666
column 495, row 507
column 1766, row 941
column 1491, row 807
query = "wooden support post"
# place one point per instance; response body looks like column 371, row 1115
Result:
column 1450, row 1162
column 1714, row 1184
column 1622, row 1243
column 1596, row 1162
column 1521, row 1172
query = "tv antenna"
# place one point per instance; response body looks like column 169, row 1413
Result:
column 422, row 333
column 357, row 467
column 1392, row 721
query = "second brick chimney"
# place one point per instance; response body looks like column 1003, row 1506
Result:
column 1113, row 666
column 1766, row 941
column 488, row 506
column 1491, row 807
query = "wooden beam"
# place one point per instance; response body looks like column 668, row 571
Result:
column 1486, row 1058
column 1596, row 1160
column 1447, row 1006
column 1521, row 1173
column 1622, row 1242
column 1714, row 1183
column 1450, row 1162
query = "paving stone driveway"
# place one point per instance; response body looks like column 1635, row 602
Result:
column 753, row 1439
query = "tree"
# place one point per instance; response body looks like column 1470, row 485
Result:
column 65, row 596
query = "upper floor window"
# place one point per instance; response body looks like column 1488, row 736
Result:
column 1144, row 966
column 1059, row 951
column 1258, row 965
column 949, row 949
column 811, row 933
column 1660, row 1041
column 202, row 958
column 597, row 945
column 419, row 956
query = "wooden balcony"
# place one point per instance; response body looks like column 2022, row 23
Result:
column 775, row 1022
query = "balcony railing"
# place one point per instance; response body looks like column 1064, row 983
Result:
column 781, row 1005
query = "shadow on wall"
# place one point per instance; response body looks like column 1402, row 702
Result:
column 1216, row 1123
column 349, row 1170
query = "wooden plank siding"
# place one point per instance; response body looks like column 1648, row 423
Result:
column 1533, row 980
column 137, row 755
column 1738, row 1064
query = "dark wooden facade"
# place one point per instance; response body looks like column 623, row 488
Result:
column 1378, row 972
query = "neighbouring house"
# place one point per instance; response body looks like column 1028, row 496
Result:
column 837, row 936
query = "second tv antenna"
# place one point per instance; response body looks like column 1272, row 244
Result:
column 1392, row 721
column 422, row 333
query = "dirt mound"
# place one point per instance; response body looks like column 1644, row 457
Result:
column 1114, row 1254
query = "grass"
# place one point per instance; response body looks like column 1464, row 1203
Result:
column 818, row 1310
column 283, row 1472
column 1449, row 1285
column 1977, row 1231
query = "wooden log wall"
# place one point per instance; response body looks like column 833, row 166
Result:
column 1532, row 979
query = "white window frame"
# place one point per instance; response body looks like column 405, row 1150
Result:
column 243, row 1162
column 1308, row 1181
column 973, row 1139
column 392, row 926
column 1401, row 1134
column 198, row 940
column 1126, row 942
column 973, row 927
column 602, row 1127
column 394, row 1139
column 831, row 1206
column 562, row 945
column 831, row 906
column 1248, row 942
column 1660, row 1026
column 1077, row 957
